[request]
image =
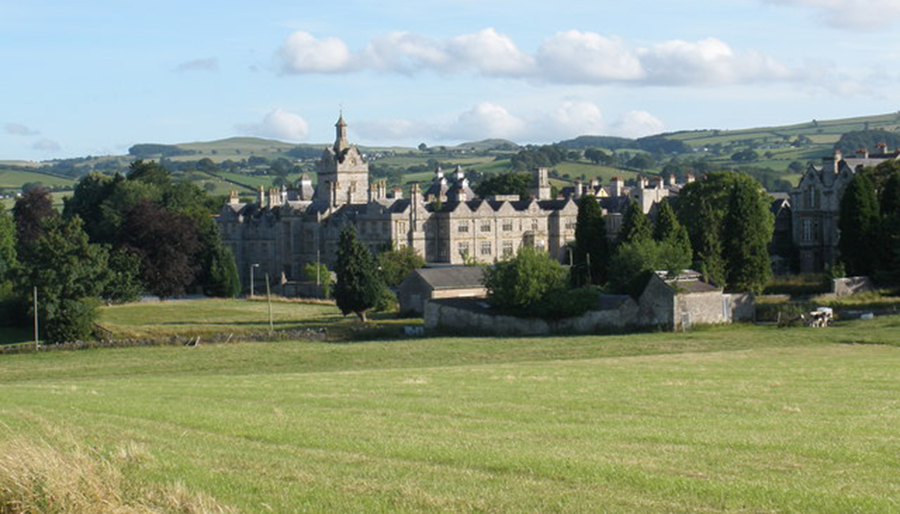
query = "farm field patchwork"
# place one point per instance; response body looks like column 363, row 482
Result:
column 733, row 419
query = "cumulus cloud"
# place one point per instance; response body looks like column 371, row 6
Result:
column 209, row 64
column 17, row 129
column 46, row 145
column 585, row 58
column 638, row 124
column 851, row 14
column 709, row 61
column 279, row 124
column 304, row 53
column 487, row 120
column 571, row 57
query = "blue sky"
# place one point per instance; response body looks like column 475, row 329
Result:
column 96, row 76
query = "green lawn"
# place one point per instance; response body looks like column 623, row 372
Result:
column 735, row 419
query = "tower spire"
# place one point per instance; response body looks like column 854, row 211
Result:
column 340, row 141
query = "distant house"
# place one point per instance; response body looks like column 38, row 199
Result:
column 441, row 282
column 782, row 251
column 816, row 204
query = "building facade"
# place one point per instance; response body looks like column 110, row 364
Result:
column 816, row 204
column 445, row 222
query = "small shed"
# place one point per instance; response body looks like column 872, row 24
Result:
column 442, row 282
column 679, row 302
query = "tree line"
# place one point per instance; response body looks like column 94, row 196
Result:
column 116, row 238
column 720, row 226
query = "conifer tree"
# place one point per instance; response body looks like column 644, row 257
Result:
column 859, row 224
column 747, row 230
column 670, row 231
column 636, row 226
column 591, row 244
column 709, row 260
column 359, row 285
column 890, row 228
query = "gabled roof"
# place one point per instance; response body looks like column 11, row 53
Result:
column 452, row 277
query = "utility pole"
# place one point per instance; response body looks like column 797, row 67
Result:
column 36, row 324
column 269, row 300
column 255, row 265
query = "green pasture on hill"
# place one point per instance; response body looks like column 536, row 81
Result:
column 729, row 419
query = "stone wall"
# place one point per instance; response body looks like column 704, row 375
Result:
column 474, row 317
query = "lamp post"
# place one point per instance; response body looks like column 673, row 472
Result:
column 254, row 265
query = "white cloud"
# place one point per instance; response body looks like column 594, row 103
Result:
column 570, row 119
column 852, row 14
column 46, row 145
column 208, row 64
column 17, row 129
column 484, row 121
column 490, row 53
column 571, row 57
column 585, row 58
column 637, row 124
column 279, row 124
column 304, row 53
column 403, row 52
column 709, row 61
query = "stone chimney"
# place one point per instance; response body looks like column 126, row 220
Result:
column 617, row 187
column 274, row 197
column 373, row 192
column 658, row 182
column 595, row 183
column 261, row 197
column 642, row 182
column 838, row 155
column 459, row 174
column 579, row 189
column 415, row 194
column 862, row 153
column 672, row 180
column 398, row 192
column 883, row 148
column 689, row 178
column 233, row 198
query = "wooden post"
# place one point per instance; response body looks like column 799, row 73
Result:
column 36, row 323
column 269, row 300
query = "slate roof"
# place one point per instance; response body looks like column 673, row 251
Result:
column 452, row 277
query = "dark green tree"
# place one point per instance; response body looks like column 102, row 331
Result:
column 669, row 230
column 708, row 258
column 8, row 259
column 747, row 229
column 636, row 225
column 396, row 264
column 169, row 246
column 511, row 183
column 359, row 285
column 591, row 244
column 222, row 280
column 519, row 283
column 124, row 284
column 69, row 274
column 860, row 225
column 29, row 213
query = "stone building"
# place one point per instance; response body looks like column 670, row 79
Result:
column 444, row 221
column 816, row 202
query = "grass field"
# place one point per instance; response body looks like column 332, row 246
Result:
column 734, row 419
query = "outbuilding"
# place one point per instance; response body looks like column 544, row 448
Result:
column 439, row 282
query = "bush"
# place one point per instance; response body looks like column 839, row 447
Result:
column 569, row 304
column 518, row 284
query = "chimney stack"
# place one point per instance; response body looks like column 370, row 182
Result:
column 672, row 180
column 862, row 153
column 689, row 178
column 618, row 187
